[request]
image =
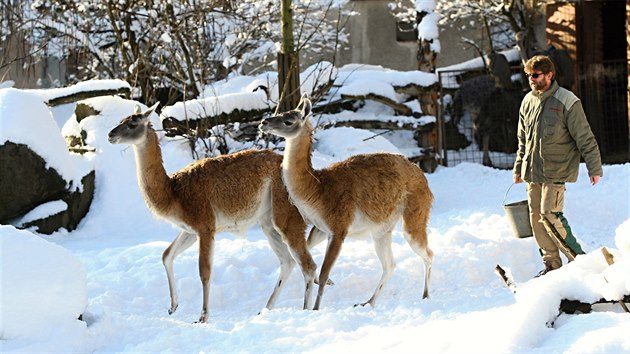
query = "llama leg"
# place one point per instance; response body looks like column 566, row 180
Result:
column 300, row 253
column 181, row 243
column 422, row 249
column 332, row 252
column 315, row 237
column 289, row 228
column 206, row 251
column 415, row 223
column 427, row 258
column 284, row 257
column 383, row 247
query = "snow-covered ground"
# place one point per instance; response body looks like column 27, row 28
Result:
column 110, row 269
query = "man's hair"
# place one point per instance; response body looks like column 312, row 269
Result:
column 540, row 63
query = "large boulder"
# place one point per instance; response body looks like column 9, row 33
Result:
column 42, row 185
column 25, row 181
column 78, row 204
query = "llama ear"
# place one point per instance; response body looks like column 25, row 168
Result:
column 151, row 109
column 306, row 107
column 137, row 109
column 300, row 104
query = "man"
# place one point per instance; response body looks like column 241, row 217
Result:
column 553, row 134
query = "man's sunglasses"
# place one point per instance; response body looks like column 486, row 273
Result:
column 534, row 75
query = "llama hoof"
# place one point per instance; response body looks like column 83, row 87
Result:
column 172, row 310
column 201, row 320
column 328, row 282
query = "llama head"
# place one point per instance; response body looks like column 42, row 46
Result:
column 132, row 129
column 289, row 124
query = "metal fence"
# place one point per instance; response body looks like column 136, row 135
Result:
column 478, row 122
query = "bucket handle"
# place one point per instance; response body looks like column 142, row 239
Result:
column 508, row 191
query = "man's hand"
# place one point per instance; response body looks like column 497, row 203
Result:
column 517, row 178
column 594, row 180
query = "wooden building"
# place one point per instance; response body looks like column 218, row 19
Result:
column 595, row 33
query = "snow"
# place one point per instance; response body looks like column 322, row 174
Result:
column 356, row 72
column 428, row 28
column 425, row 5
column 449, row 74
column 511, row 55
column 44, row 290
column 343, row 142
column 217, row 105
column 90, row 85
column 42, row 211
column 109, row 269
column 367, row 86
column 25, row 119
column 311, row 79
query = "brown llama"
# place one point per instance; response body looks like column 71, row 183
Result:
column 364, row 194
column 226, row 193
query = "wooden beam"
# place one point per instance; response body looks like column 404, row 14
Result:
column 81, row 95
column 399, row 108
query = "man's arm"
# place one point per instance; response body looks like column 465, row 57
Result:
column 584, row 138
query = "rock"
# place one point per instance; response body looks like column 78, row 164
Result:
column 26, row 182
column 78, row 205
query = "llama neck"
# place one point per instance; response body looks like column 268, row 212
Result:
column 154, row 183
column 297, row 168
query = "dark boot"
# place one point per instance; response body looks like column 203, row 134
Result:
column 549, row 266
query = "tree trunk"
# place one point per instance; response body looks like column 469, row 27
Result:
column 288, row 81
column 428, row 140
column 288, row 62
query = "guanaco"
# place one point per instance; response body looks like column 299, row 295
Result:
column 227, row 193
column 364, row 194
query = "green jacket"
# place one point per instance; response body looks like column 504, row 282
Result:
column 553, row 134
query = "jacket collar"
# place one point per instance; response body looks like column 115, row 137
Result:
column 552, row 89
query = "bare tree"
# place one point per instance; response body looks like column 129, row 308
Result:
column 507, row 23
column 17, row 52
column 166, row 49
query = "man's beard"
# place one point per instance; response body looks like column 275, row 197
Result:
column 537, row 86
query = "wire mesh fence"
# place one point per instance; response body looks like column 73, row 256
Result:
column 478, row 121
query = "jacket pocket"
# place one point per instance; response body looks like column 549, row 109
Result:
column 549, row 127
column 555, row 165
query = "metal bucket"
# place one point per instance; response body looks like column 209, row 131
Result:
column 518, row 215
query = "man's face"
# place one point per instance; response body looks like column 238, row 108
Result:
column 538, row 81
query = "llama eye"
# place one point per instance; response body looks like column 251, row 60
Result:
column 288, row 122
column 134, row 122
